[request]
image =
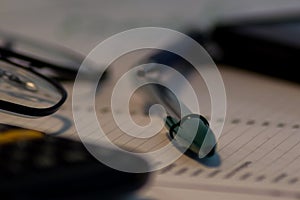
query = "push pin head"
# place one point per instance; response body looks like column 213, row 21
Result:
column 203, row 142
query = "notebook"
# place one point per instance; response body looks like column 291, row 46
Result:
column 258, row 151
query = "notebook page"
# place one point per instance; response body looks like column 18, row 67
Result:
column 258, row 151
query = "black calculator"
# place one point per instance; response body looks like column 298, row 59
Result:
column 34, row 165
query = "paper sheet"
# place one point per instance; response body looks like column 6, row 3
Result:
column 258, row 152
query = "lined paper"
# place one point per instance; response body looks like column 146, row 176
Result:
column 258, row 151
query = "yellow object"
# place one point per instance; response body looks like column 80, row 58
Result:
column 13, row 135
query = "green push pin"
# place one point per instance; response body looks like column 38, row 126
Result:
column 202, row 143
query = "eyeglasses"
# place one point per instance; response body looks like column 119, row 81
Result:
column 28, row 73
